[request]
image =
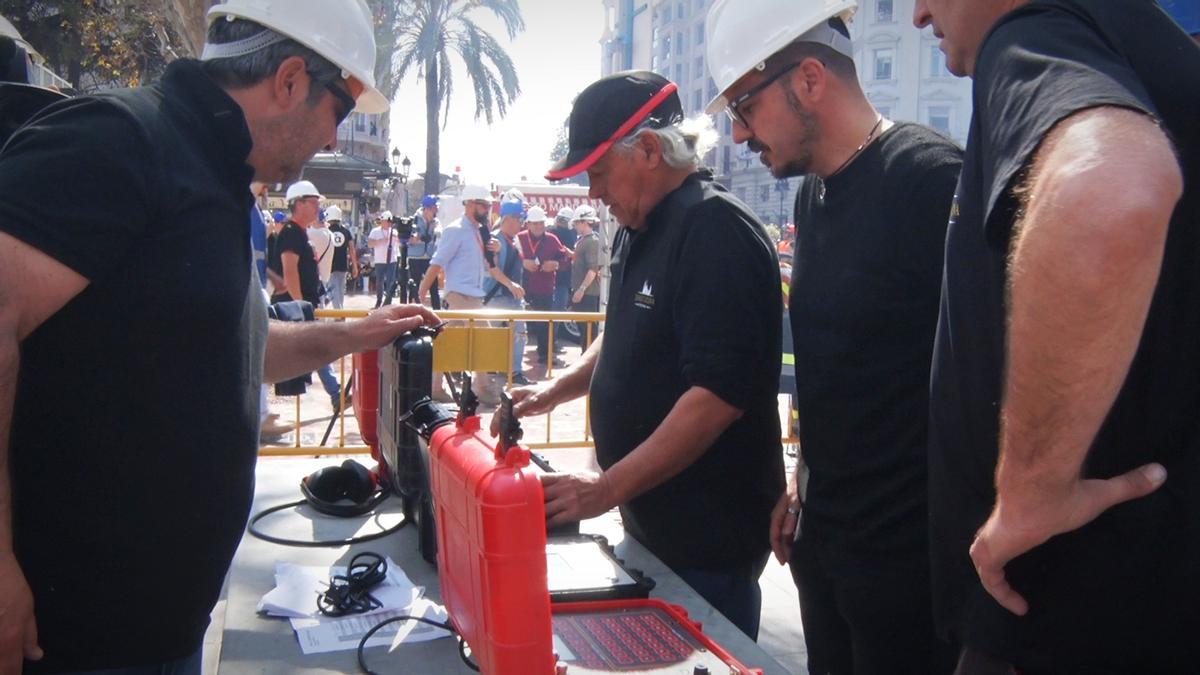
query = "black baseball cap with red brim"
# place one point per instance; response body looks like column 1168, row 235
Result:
column 608, row 110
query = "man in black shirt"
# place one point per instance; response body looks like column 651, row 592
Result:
column 870, row 225
column 1064, row 438
column 134, row 337
column 683, row 380
column 345, row 258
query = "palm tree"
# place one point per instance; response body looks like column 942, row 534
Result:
column 425, row 33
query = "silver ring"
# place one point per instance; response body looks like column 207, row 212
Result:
column 793, row 510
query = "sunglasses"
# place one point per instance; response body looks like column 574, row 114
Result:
column 732, row 109
column 343, row 97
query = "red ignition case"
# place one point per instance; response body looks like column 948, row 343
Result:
column 366, row 397
column 491, row 527
column 642, row 635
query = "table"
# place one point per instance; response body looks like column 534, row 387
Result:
column 251, row 643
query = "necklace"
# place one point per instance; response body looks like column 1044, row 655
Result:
column 859, row 149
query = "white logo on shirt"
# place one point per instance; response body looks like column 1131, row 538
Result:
column 645, row 297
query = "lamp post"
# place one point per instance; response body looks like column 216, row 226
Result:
column 400, row 169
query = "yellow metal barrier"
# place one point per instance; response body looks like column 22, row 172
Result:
column 477, row 346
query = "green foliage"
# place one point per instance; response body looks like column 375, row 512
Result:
column 97, row 44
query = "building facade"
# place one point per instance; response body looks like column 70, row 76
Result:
column 901, row 69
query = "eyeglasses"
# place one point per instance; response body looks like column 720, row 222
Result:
column 343, row 97
column 732, row 108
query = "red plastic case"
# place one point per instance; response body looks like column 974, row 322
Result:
column 622, row 636
column 491, row 528
column 366, row 397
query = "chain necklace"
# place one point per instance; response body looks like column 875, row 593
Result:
column 859, row 149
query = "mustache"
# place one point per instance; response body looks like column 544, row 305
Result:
column 756, row 145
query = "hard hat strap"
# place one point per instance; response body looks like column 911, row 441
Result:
column 228, row 50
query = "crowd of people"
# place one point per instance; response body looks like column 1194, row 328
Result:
column 997, row 372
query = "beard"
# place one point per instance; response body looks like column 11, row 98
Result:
column 282, row 146
column 801, row 161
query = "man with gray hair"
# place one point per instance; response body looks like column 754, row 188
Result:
column 134, row 336
column 683, row 402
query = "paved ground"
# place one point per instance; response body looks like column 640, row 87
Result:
column 781, row 634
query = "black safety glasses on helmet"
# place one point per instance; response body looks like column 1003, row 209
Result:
column 736, row 115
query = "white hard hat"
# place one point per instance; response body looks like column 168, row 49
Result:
column 741, row 36
column 585, row 212
column 342, row 31
column 512, row 195
column 301, row 189
column 535, row 214
column 471, row 193
column 565, row 213
column 385, row 215
column 333, row 213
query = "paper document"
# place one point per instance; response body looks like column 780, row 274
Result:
column 317, row 636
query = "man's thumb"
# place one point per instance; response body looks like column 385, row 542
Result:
column 1133, row 484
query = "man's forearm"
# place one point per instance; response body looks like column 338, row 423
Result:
column 1084, row 266
column 427, row 280
column 698, row 418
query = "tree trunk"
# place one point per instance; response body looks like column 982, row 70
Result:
column 433, row 169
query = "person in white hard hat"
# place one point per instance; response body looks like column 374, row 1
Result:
column 543, row 255
column 871, row 217
column 463, row 258
column 344, row 259
column 385, row 251
column 588, row 264
column 131, row 369
column 562, row 229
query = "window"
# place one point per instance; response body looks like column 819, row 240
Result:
column 697, row 102
column 764, row 193
column 937, row 62
column 939, row 118
column 698, row 67
column 699, row 5
column 680, row 10
column 666, row 45
column 666, row 15
column 883, row 11
column 700, row 33
column 678, row 73
column 360, row 122
column 725, row 163
column 712, row 89
column 680, row 45
column 883, row 63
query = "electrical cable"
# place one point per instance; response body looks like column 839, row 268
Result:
column 350, row 593
column 252, row 528
column 362, row 661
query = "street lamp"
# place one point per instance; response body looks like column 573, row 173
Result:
column 400, row 169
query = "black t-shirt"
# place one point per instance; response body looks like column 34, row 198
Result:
column 677, row 319
column 1119, row 594
column 135, row 427
column 865, row 285
column 293, row 239
column 342, row 241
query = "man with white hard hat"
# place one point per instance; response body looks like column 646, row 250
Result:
column 463, row 257
column 871, row 218
column 385, row 251
column 344, row 257
column 587, row 267
column 130, row 369
column 561, row 228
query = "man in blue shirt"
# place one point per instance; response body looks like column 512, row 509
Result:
column 461, row 257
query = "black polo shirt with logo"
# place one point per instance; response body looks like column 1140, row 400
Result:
column 694, row 302
column 135, row 423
